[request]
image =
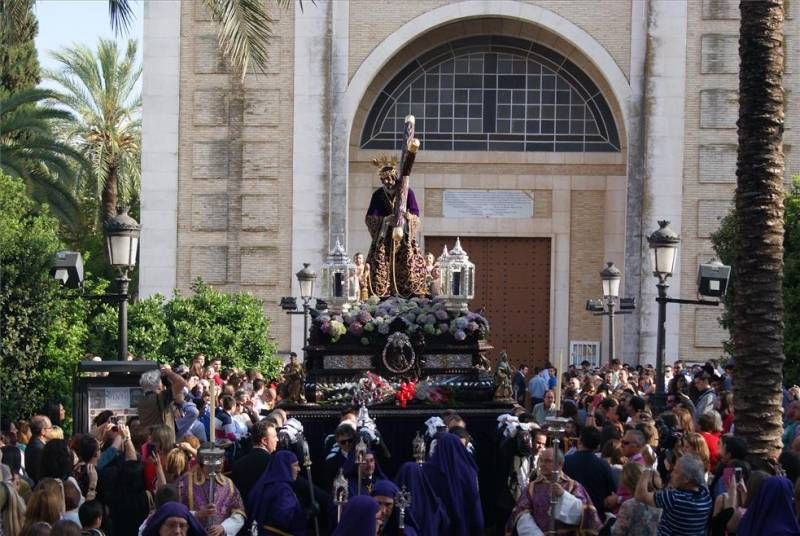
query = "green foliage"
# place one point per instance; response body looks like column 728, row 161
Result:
column 232, row 327
column 725, row 247
column 19, row 63
column 42, row 331
column 99, row 87
column 29, row 150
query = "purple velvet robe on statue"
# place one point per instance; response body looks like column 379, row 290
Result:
column 272, row 501
column 395, row 269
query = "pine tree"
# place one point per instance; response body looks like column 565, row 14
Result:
column 19, row 63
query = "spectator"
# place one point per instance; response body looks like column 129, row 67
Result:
column 248, row 469
column 538, row 385
column 546, row 408
column 40, row 431
column 65, row 527
column 518, row 383
column 154, row 406
column 632, row 445
column 693, row 443
column 725, row 403
column 686, row 505
column 46, row 503
column 710, row 425
column 636, row 518
column 91, row 518
column 592, row 472
column 12, row 510
column 731, row 449
column 706, row 397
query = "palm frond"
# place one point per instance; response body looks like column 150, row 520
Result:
column 244, row 31
column 121, row 14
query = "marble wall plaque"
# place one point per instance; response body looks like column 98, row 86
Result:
column 487, row 204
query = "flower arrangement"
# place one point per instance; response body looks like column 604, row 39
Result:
column 372, row 321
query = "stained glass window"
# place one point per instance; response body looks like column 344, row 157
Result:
column 493, row 93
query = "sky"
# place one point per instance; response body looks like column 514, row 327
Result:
column 64, row 22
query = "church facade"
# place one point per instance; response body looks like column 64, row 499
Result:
column 555, row 133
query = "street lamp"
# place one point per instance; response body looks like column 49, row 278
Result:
column 611, row 277
column 306, row 278
column 663, row 252
column 122, row 241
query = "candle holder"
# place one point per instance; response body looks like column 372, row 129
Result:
column 418, row 447
column 213, row 458
column 403, row 501
column 339, row 494
column 556, row 427
column 458, row 278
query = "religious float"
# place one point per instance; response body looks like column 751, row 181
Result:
column 397, row 330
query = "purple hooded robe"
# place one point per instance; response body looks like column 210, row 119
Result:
column 272, row 502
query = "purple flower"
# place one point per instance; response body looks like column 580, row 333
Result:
column 444, row 327
column 472, row 326
column 364, row 317
column 461, row 322
column 460, row 335
column 383, row 329
column 357, row 329
column 441, row 314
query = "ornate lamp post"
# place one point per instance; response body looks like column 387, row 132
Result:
column 663, row 252
column 458, row 278
column 611, row 277
column 122, row 241
column 339, row 280
column 306, row 278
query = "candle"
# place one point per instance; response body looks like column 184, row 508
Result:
column 559, row 374
column 213, row 402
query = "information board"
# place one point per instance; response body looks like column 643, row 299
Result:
column 121, row 400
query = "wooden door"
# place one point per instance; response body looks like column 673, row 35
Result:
column 512, row 284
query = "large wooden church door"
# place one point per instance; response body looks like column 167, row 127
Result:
column 512, row 284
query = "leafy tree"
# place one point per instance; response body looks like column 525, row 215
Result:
column 29, row 150
column 230, row 326
column 19, row 63
column 42, row 328
column 725, row 248
column 758, row 328
column 99, row 88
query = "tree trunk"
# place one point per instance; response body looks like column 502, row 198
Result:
column 109, row 196
column 757, row 329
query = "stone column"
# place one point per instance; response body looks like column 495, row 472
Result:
column 159, row 197
column 665, row 98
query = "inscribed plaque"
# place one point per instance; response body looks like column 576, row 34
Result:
column 487, row 204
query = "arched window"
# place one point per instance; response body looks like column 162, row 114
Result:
column 493, row 93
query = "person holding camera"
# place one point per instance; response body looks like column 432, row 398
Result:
column 686, row 504
column 155, row 407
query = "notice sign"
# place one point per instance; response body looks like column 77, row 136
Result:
column 487, row 204
column 121, row 400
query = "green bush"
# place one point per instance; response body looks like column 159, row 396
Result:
column 42, row 327
column 232, row 327
column 725, row 247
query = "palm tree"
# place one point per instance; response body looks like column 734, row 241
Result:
column 244, row 28
column 758, row 303
column 29, row 150
column 100, row 89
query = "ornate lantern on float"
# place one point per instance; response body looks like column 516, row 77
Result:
column 458, row 278
column 339, row 280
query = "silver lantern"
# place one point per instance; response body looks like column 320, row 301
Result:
column 458, row 278
column 339, row 280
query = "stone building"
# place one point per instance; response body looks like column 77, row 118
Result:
column 555, row 133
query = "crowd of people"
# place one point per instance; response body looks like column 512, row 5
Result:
column 607, row 463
